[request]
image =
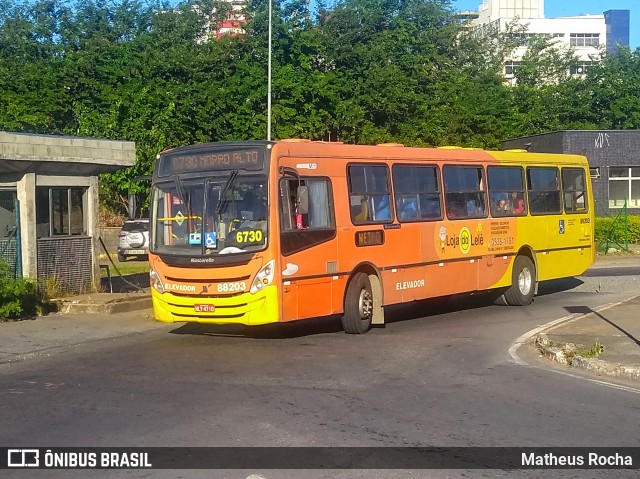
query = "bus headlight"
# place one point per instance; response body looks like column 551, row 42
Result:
column 156, row 281
column 264, row 277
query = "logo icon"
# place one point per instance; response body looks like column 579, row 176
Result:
column 210, row 239
column 23, row 458
column 561, row 226
column 465, row 240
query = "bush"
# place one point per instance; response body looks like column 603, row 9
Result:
column 18, row 296
column 613, row 229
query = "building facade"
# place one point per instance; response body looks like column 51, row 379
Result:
column 588, row 35
column 614, row 162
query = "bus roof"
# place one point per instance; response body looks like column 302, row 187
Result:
column 319, row 149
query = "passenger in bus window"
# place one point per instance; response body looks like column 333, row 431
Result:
column 503, row 207
column 382, row 211
column 516, row 203
column 363, row 215
column 456, row 209
column 474, row 208
column 430, row 208
column 408, row 209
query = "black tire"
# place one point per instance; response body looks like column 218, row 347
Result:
column 523, row 283
column 121, row 258
column 358, row 305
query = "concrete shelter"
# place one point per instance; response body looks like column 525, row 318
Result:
column 49, row 221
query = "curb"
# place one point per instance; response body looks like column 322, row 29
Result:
column 603, row 367
column 120, row 305
column 564, row 353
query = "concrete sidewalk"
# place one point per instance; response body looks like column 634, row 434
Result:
column 20, row 340
column 606, row 342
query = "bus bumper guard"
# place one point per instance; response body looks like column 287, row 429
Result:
column 246, row 308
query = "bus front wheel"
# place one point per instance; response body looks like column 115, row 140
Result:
column 523, row 283
column 358, row 305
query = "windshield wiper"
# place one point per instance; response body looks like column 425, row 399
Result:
column 223, row 194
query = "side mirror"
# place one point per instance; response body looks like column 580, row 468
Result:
column 302, row 196
column 132, row 206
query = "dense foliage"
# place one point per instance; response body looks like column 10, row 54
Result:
column 617, row 231
column 18, row 296
column 362, row 71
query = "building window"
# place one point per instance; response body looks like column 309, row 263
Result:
column 511, row 67
column 594, row 172
column 584, row 39
column 581, row 68
column 464, row 192
column 624, row 187
column 7, row 215
column 59, row 212
column 417, row 192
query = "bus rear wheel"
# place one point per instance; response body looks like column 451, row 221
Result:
column 523, row 283
column 358, row 305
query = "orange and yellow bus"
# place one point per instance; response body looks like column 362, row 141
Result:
column 262, row 232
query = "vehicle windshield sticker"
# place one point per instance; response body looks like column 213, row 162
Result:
column 210, row 239
column 195, row 238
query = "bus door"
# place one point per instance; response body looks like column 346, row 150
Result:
column 307, row 245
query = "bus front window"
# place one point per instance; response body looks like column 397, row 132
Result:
column 216, row 215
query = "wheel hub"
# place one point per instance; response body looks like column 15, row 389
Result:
column 525, row 281
column 365, row 304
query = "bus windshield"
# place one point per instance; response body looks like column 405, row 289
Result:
column 222, row 214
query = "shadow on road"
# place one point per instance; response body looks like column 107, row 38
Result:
column 128, row 283
column 296, row 329
column 393, row 314
column 558, row 285
column 331, row 324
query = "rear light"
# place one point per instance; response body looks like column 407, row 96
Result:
column 122, row 234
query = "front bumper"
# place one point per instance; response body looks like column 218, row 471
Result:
column 246, row 308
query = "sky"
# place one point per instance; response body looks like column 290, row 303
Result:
column 566, row 8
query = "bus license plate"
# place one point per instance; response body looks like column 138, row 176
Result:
column 204, row 308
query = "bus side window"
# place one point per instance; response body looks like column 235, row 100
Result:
column 417, row 192
column 465, row 195
column 544, row 191
column 369, row 194
column 574, row 191
column 506, row 190
column 303, row 228
column 318, row 213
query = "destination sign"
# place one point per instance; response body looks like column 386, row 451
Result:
column 369, row 238
column 207, row 160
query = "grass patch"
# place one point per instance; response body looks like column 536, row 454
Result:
column 593, row 351
column 126, row 267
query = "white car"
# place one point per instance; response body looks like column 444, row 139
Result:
column 134, row 239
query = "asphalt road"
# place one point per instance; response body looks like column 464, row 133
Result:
column 439, row 374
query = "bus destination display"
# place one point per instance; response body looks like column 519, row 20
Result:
column 246, row 159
